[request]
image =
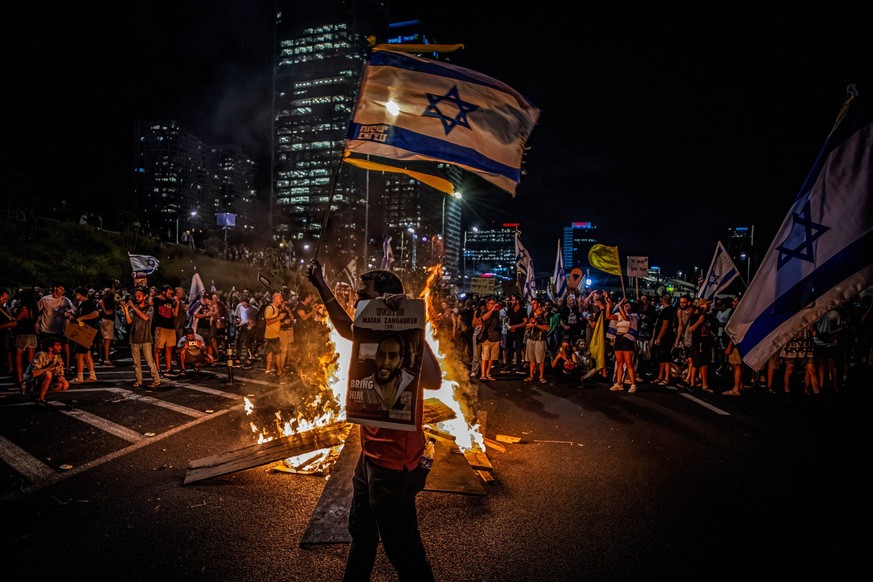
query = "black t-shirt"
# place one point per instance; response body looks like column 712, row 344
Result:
column 164, row 312
column 516, row 317
column 86, row 307
column 667, row 313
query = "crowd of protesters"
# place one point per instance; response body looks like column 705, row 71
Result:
column 653, row 340
column 649, row 341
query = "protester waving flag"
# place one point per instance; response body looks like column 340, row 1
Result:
column 560, row 277
column 387, row 256
column 412, row 110
column 722, row 271
column 822, row 255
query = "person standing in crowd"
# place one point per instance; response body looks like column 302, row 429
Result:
column 203, row 326
column 139, row 315
column 389, row 473
column 272, row 336
column 219, row 325
column 664, row 340
column 106, row 307
column 88, row 314
column 286, row 331
column 625, row 333
column 25, row 333
column 180, row 322
column 476, row 362
column 536, row 328
column 54, row 311
column 7, row 339
column 683, row 333
column 516, row 315
column 647, row 317
column 489, row 322
column 46, row 372
column 166, row 308
column 702, row 326
column 829, row 330
column 245, row 314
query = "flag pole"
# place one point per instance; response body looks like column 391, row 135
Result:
column 327, row 210
column 620, row 273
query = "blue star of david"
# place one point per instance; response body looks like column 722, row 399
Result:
column 811, row 232
column 452, row 98
column 713, row 279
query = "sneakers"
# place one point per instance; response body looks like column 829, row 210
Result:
column 268, row 372
column 616, row 388
column 632, row 389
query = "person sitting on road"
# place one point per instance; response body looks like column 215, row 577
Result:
column 46, row 372
column 193, row 350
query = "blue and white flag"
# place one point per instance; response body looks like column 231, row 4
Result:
column 822, row 255
column 350, row 273
column 387, row 255
column 413, row 109
column 195, row 294
column 722, row 271
column 143, row 263
column 560, row 277
column 525, row 269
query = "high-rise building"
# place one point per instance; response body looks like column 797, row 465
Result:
column 180, row 183
column 321, row 55
column 578, row 239
column 491, row 250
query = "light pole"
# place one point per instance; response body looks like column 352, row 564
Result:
column 745, row 258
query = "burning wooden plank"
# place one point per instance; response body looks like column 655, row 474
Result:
column 492, row 444
column 478, row 460
column 261, row 454
column 436, row 411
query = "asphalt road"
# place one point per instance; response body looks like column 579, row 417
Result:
column 657, row 485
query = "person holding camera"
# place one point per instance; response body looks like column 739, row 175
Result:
column 192, row 350
column 166, row 307
column 138, row 315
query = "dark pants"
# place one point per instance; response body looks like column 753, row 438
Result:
column 383, row 504
column 245, row 343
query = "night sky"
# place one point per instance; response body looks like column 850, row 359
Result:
column 664, row 127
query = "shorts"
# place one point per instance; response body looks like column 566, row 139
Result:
column 80, row 349
column 490, row 350
column 165, row 337
column 28, row 340
column 535, row 351
column 206, row 334
column 107, row 329
column 663, row 352
column 197, row 357
column 624, row 344
column 272, row 346
column 735, row 358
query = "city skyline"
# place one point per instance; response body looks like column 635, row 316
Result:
column 661, row 133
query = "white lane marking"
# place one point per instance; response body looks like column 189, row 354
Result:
column 703, row 403
column 28, row 466
column 113, row 428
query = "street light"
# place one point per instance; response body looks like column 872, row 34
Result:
column 193, row 213
column 744, row 257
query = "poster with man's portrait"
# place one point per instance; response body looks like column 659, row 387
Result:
column 386, row 364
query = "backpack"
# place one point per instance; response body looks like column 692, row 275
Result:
column 261, row 322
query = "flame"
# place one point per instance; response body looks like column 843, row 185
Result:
column 325, row 405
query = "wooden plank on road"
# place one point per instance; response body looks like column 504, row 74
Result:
column 261, row 454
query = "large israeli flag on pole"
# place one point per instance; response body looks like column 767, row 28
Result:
column 143, row 263
column 722, row 271
column 412, row 109
column 822, row 255
column 195, row 294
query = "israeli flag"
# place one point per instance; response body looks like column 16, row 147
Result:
column 143, row 263
column 387, row 255
column 722, row 271
column 822, row 255
column 560, row 277
column 195, row 294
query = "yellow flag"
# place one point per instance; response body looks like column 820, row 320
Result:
column 605, row 258
column 598, row 347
